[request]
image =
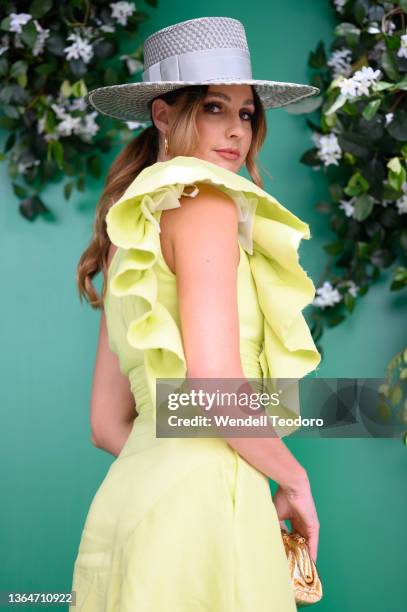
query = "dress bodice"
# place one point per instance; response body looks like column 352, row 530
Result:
column 141, row 303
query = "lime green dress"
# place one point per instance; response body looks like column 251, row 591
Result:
column 187, row 524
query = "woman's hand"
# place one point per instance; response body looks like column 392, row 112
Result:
column 298, row 506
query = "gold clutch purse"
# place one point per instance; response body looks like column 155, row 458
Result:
column 306, row 582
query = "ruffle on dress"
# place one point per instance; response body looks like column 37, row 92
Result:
column 269, row 233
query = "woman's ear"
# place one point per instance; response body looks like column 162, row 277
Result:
column 160, row 113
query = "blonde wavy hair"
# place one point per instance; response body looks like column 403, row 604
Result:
column 141, row 152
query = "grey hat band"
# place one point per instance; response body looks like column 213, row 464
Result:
column 206, row 64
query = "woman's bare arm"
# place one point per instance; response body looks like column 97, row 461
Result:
column 112, row 406
column 203, row 234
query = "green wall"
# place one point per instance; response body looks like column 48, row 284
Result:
column 50, row 471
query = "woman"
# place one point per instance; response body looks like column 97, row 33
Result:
column 202, row 280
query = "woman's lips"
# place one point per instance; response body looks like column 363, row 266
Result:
column 228, row 155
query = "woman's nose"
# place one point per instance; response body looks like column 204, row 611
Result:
column 235, row 127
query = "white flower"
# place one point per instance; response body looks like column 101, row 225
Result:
column 133, row 65
column 327, row 295
column 401, row 204
column 80, row 49
column 121, row 11
column 339, row 5
column 389, row 117
column 5, row 43
column 340, row 62
column 43, row 34
column 388, row 27
column 107, row 28
column 104, row 27
column 135, row 125
column 347, row 206
column 352, row 288
column 23, row 166
column 88, row 128
column 17, row 20
column 77, row 104
column 348, row 88
column 68, row 125
column 373, row 28
column 360, row 82
column 83, row 126
column 376, row 52
column 328, row 147
column 402, row 52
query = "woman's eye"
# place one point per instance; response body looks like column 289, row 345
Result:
column 210, row 105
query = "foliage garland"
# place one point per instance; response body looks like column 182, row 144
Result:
column 50, row 56
column 360, row 144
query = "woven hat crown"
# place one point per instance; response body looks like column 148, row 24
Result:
column 194, row 35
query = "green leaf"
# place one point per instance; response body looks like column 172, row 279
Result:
column 382, row 85
column 55, row 151
column 18, row 68
column 65, row 88
column 310, row 158
column 389, row 192
column 357, row 184
column 389, row 65
column 382, row 258
column 29, row 34
column 94, row 165
column 339, row 102
column 11, row 111
column 317, row 58
column 39, row 8
column 394, row 164
column 334, row 248
column 403, row 4
column 349, row 31
column 403, row 239
column 370, row 109
column 398, row 127
column 80, row 183
column 362, row 249
column 399, row 279
column 68, row 187
column 335, row 320
column 363, row 207
column 396, row 395
column 19, row 190
column 354, row 143
column 349, row 302
column 401, row 84
column 384, row 411
column 360, row 11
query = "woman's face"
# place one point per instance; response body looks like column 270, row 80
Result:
column 224, row 120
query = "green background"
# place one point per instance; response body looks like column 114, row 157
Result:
column 49, row 469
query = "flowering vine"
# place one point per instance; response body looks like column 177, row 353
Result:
column 360, row 143
column 49, row 58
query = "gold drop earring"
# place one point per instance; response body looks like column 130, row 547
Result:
column 165, row 145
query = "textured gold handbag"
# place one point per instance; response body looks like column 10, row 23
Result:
column 305, row 579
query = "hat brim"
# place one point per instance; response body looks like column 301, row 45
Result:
column 129, row 101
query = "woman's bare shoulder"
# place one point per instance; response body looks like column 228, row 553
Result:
column 202, row 217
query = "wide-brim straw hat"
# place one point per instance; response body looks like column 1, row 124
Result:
column 201, row 51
